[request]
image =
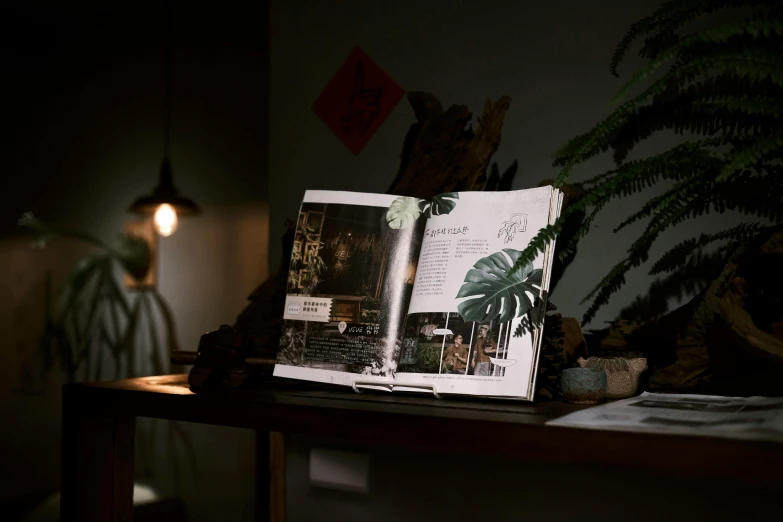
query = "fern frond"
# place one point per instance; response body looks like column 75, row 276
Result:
column 569, row 248
column 681, row 204
column 680, row 253
column 751, row 64
column 659, row 202
column 588, row 183
column 561, row 155
column 550, row 232
column 751, row 27
column 690, row 109
column 746, row 157
column 637, row 254
column 541, row 240
column 753, row 192
column 667, row 19
column 592, row 142
column 610, row 284
column 755, row 66
column 670, row 17
column 688, row 278
column 756, row 105
column 680, row 209
column 677, row 163
column 723, row 83
column 668, row 12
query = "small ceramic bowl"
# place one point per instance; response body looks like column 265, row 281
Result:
column 583, row 385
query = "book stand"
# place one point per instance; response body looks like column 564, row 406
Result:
column 430, row 387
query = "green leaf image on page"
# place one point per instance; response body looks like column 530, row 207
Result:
column 403, row 212
column 492, row 292
column 442, row 204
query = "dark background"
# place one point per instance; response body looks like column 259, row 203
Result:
column 82, row 112
column 82, row 137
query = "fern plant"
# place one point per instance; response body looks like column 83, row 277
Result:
column 723, row 87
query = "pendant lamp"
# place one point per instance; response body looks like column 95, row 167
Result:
column 165, row 204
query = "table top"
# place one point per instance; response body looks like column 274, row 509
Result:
column 516, row 429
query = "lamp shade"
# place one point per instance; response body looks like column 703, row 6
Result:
column 164, row 193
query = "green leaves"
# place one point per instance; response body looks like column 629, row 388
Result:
column 748, row 156
column 666, row 20
column 678, row 255
column 723, row 85
column 134, row 254
column 442, row 204
column 494, row 291
column 49, row 232
column 403, row 212
column 751, row 105
column 752, row 27
column 92, row 314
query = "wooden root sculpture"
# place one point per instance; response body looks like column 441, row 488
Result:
column 441, row 153
column 220, row 361
column 728, row 339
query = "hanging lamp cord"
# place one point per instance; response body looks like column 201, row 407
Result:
column 167, row 83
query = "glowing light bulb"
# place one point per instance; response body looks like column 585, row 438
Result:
column 165, row 220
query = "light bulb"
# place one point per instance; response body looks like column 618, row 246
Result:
column 165, row 220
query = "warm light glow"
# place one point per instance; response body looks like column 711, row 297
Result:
column 165, row 220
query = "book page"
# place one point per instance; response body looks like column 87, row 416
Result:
column 557, row 206
column 350, row 279
column 469, row 328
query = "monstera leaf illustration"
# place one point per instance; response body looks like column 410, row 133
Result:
column 403, row 212
column 492, row 292
column 442, row 204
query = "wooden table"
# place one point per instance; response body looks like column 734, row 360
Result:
column 99, row 427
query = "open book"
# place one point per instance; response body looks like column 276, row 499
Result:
column 398, row 293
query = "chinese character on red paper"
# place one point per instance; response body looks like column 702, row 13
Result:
column 357, row 100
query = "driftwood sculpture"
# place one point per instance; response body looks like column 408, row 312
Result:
column 727, row 340
column 442, row 152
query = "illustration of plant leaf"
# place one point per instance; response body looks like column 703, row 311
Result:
column 443, row 204
column 403, row 212
column 508, row 230
column 493, row 292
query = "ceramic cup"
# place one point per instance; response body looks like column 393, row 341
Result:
column 583, row 385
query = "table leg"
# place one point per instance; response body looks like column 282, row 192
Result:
column 276, row 477
column 97, row 461
column 270, row 477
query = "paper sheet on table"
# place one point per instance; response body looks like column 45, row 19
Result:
column 730, row 417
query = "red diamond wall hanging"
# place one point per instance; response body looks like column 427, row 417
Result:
column 358, row 100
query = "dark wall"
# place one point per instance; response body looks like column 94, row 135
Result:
column 82, row 112
column 88, row 83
